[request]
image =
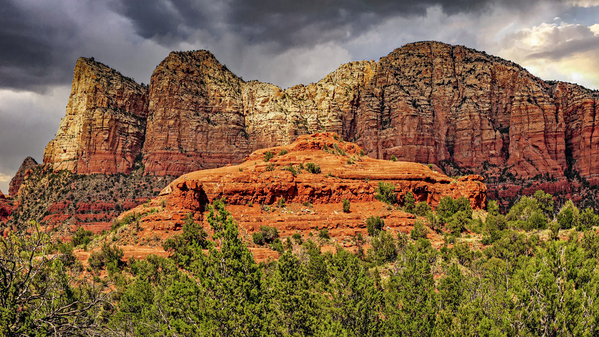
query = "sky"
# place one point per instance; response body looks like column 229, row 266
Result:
column 277, row 41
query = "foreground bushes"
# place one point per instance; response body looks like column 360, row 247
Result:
column 519, row 285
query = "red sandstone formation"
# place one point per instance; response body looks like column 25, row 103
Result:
column 5, row 208
column 426, row 102
column 313, row 201
column 22, row 173
column 104, row 127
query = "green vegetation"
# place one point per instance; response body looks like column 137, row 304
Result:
column 385, row 192
column 312, row 168
column 268, row 156
column 393, row 158
column 346, row 205
column 524, row 282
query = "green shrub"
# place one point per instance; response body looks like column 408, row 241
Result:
column 324, row 234
column 277, row 246
column 291, row 169
column 419, row 231
column 384, row 248
column 346, row 205
column 422, row 208
column 568, row 216
column 258, row 238
column 409, row 202
column 446, row 207
column 393, row 158
column 374, row 225
column 281, row 202
column 283, row 152
column 312, row 168
column 270, row 167
column 545, row 202
column 268, row 155
column 385, row 192
column 537, row 220
column 458, row 222
column 270, row 234
column 298, row 238
column 81, row 237
column 95, row 260
column 587, row 219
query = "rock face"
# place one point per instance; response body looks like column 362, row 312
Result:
column 428, row 102
column 5, row 208
column 195, row 118
column 344, row 174
column 104, row 127
column 17, row 180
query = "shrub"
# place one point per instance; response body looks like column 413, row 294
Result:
column 290, row 169
column 346, row 205
column 458, row 222
column 422, row 208
column 386, row 193
column 283, row 152
column 258, row 238
column 384, row 248
column 374, row 225
column 81, row 237
column 446, row 207
column 545, row 202
column 298, row 238
column 587, row 219
column 268, row 155
column 419, row 231
column 95, row 261
column 393, row 158
column 312, row 168
column 277, row 245
column 537, row 220
column 409, row 203
column 568, row 216
column 324, row 234
column 281, row 202
column 270, row 167
column 270, row 234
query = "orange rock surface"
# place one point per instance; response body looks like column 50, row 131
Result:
column 312, row 201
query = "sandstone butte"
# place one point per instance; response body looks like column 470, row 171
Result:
column 22, row 173
column 427, row 102
column 254, row 188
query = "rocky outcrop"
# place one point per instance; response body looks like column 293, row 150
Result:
column 459, row 109
column 15, row 183
column 5, row 208
column 344, row 174
column 195, row 118
column 104, row 127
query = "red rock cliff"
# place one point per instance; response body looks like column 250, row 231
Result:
column 104, row 127
column 17, row 180
column 426, row 102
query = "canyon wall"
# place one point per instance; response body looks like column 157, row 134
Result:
column 104, row 127
column 427, row 102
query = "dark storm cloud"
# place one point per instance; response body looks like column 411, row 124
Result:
column 30, row 49
column 286, row 23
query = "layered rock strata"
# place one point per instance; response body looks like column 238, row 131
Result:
column 104, row 127
column 15, row 183
column 261, row 184
column 426, row 102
